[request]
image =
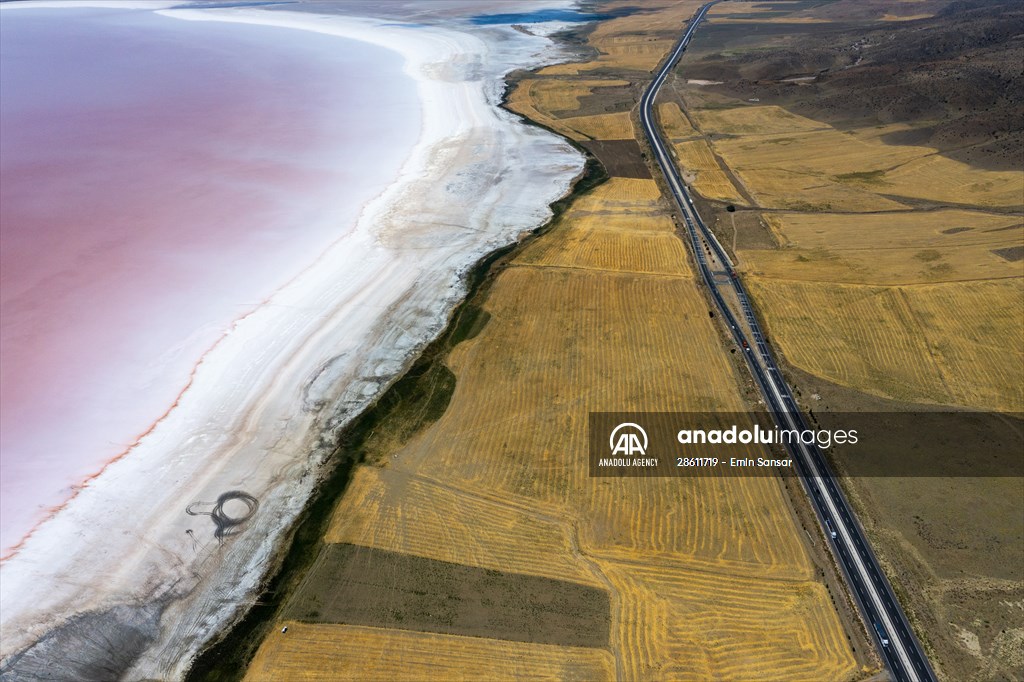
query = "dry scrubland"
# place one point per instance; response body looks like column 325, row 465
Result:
column 705, row 577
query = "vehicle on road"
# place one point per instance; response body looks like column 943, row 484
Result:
column 881, row 635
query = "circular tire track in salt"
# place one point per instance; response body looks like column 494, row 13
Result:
column 226, row 524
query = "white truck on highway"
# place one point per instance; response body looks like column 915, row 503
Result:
column 881, row 635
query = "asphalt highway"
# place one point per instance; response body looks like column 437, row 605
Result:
column 887, row 623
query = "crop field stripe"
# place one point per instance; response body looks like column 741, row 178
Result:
column 882, row 343
column 602, row 126
column 332, row 652
column 616, row 250
column 674, row 122
column 486, row 533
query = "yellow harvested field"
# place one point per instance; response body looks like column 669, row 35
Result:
column 587, row 322
column 724, row 9
column 912, row 305
column 883, row 267
column 697, row 162
column 551, row 95
column 737, row 7
column 973, row 330
column 673, row 122
column 875, row 344
column 392, row 510
column 955, row 343
column 619, row 194
column 524, row 100
column 830, row 153
column 552, row 328
column 803, row 191
column 735, row 629
column 600, row 313
column 754, row 120
column 715, row 184
column 633, row 52
column 908, row 230
column 547, row 100
column 350, row 652
column 895, row 248
column 724, row 13
column 639, row 220
column 939, row 178
column 661, row 16
column 788, row 161
column 714, row 524
column 695, row 155
column 602, row 126
column 597, row 248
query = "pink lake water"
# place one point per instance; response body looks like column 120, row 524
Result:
column 159, row 179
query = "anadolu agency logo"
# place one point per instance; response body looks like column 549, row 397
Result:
column 628, row 439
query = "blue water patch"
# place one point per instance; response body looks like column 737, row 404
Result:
column 542, row 15
column 230, row 5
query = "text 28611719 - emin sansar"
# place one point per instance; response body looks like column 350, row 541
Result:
column 708, row 462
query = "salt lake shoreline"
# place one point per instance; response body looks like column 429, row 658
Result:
column 225, row 658
column 190, row 594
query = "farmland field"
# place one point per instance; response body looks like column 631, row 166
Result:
column 673, row 122
column 839, row 162
column 697, row 569
column 917, row 306
column 339, row 652
column 943, row 343
column 884, row 252
column 556, row 104
column 704, row 172
column 601, row 126
column 892, row 269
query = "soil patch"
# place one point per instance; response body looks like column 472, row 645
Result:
column 1010, row 253
column 359, row 585
column 621, row 158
